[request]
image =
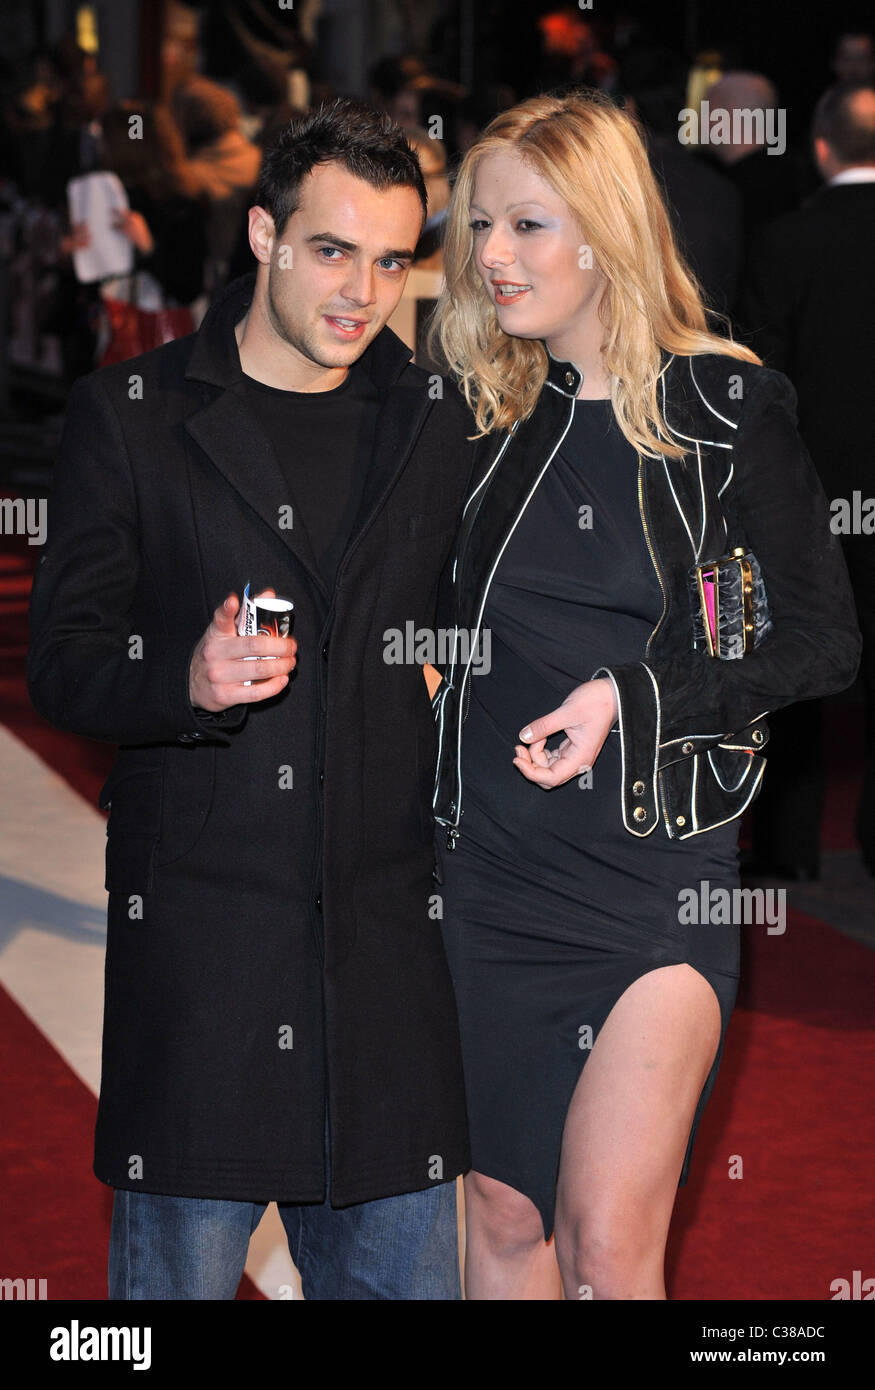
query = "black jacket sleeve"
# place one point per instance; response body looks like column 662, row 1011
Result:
column 83, row 673
column 815, row 646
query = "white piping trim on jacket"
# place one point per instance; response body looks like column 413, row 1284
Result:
column 740, row 812
column 679, row 507
column 713, row 443
column 682, row 738
column 569, row 395
column 693, row 792
column 746, row 772
column 441, row 694
column 704, row 508
column 639, row 834
column 483, row 481
column 656, row 745
column 467, row 672
column 720, row 491
column 708, row 403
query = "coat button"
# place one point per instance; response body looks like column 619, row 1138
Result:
column 686, row 748
column 325, row 652
column 757, row 735
column 321, row 779
column 639, row 813
column 318, row 902
column 637, row 788
column 569, row 377
column 681, row 820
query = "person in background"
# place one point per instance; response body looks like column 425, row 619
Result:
column 433, row 162
column 853, row 61
column 809, row 302
column 272, row 127
column 478, row 108
column 221, row 166
column 703, row 204
column 768, row 184
column 166, row 226
column 392, row 90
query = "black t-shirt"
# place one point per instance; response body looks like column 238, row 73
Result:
column 323, row 442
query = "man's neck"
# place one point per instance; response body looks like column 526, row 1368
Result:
column 265, row 357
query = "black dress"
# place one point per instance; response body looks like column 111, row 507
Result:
column 551, row 908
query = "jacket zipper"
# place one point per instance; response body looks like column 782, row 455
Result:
column 650, row 548
column 652, row 554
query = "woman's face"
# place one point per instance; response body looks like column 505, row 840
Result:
column 531, row 253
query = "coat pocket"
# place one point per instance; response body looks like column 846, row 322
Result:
column 708, row 789
column 725, row 782
column 129, row 863
column 133, row 829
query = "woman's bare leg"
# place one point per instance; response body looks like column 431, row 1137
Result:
column 506, row 1256
column 626, row 1134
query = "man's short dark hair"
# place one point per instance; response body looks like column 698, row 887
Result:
column 365, row 142
column 851, row 138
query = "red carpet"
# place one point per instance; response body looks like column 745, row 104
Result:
column 56, row 1214
column 793, row 1099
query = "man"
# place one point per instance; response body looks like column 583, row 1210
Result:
column 810, row 306
column 767, row 183
column 276, row 990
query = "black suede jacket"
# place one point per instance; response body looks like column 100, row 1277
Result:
column 692, row 726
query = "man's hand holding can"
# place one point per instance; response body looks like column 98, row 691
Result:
column 218, row 677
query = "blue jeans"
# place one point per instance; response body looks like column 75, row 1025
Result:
column 195, row 1247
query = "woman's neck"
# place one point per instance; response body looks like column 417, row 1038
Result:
column 583, row 350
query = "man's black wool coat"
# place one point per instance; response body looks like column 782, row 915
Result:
column 250, row 978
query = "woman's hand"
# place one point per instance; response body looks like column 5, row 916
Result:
column 135, row 228
column 77, row 239
column 586, row 717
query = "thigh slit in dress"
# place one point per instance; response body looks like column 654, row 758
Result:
column 551, row 908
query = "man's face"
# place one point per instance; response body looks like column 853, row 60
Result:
column 338, row 268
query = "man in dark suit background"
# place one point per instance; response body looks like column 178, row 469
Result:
column 703, row 204
column 809, row 308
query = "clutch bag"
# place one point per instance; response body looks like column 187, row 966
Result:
column 730, row 608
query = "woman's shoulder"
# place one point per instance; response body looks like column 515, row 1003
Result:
column 727, row 388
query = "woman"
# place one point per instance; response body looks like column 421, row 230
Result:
column 622, row 443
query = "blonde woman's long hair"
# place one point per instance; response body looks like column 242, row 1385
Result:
column 592, row 153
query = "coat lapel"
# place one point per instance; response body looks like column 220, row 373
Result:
column 398, row 424
column 231, row 436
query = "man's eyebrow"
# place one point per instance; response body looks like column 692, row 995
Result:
column 405, row 255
